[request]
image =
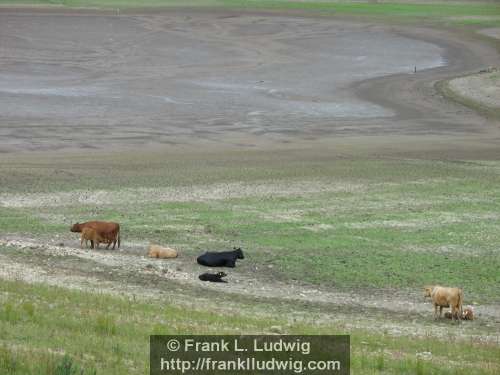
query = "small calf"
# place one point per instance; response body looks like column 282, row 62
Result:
column 155, row 251
column 467, row 314
column 90, row 234
column 213, row 277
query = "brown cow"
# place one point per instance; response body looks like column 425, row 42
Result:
column 445, row 297
column 90, row 234
column 155, row 251
column 108, row 230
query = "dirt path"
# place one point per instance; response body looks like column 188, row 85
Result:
column 87, row 269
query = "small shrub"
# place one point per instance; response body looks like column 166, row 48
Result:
column 9, row 313
column 106, row 325
column 117, row 349
column 8, row 363
column 66, row 366
column 29, row 309
column 380, row 362
column 208, row 228
column 419, row 367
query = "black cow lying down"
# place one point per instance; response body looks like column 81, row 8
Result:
column 213, row 277
column 221, row 259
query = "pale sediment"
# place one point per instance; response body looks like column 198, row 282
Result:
column 481, row 89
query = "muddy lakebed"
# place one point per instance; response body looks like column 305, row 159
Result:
column 94, row 80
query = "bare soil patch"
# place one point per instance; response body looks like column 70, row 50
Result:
column 175, row 194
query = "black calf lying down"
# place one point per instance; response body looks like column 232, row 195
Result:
column 213, row 277
column 221, row 259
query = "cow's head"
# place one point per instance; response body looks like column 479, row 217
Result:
column 75, row 228
column 239, row 252
column 221, row 274
column 428, row 290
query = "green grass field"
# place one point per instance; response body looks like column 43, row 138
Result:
column 399, row 224
column 56, row 331
column 365, row 225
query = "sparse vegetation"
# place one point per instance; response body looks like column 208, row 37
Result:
column 459, row 13
column 405, row 224
column 478, row 91
column 394, row 8
column 400, row 224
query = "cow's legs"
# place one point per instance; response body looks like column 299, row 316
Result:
column 454, row 314
column 81, row 243
column 114, row 243
column 440, row 311
column 91, row 244
column 435, row 311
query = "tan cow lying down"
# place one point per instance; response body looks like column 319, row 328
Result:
column 106, row 229
column 155, row 251
column 445, row 297
column 90, row 234
column 467, row 314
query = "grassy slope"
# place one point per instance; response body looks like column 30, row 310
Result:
column 46, row 327
column 399, row 224
column 406, row 223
